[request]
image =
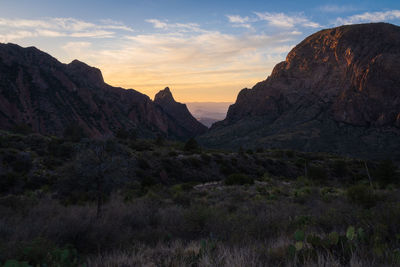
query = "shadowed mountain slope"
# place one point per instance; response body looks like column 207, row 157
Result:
column 38, row 90
column 179, row 112
column 337, row 91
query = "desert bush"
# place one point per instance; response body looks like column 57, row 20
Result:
column 60, row 149
column 385, row 173
column 205, row 157
column 339, row 168
column 238, row 179
column 317, row 172
column 22, row 128
column 160, row 140
column 191, row 145
column 22, row 163
column 7, row 181
column 74, row 132
column 143, row 164
column 361, row 195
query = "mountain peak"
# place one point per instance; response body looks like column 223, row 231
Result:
column 164, row 96
column 86, row 74
column 178, row 111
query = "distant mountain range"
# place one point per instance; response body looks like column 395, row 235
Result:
column 208, row 112
column 337, row 91
column 39, row 91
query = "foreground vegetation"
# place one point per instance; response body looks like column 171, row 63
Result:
column 128, row 202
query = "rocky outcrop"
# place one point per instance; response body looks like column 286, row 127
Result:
column 38, row 90
column 179, row 112
column 337, row 91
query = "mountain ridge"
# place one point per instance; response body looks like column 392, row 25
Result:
column 38, row 90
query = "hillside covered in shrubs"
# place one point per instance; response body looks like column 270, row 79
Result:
column 124, row 201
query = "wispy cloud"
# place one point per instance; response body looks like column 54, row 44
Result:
column 283, row 20
column 13, row 29
column 242, row 22
column 379, row 16
column 237, row 19
column 336, row 8
column 182, row 27
column 279, row 20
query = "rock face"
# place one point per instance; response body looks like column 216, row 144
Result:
column 337, row 91
column 38, row 90
column 179, row 112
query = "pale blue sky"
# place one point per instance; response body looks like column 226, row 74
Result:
column 204, row 50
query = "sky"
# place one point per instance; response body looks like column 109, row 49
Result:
column 203, row 50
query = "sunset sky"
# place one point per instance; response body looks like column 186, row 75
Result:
column 203, row 50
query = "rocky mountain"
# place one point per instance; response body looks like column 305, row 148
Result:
column 337, row 91
column 38, row 90
column 179, row 112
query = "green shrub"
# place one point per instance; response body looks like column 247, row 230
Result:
column 22, row 128
column 126, row 134
column 58, row 148
column 160, row 140
column 7, row 181
column 143, row 164
column 238, row 179
column 361, row 195
column 339, row 168
column 260, row 150
column 290, row 153
column 205, row 157
column 249, row 151
column 22, row 163
column 316, row 172
column 385, row 173
column 74, row 132
column 173, row 153
column 191, row 145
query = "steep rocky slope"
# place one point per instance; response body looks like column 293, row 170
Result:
column 37, row 90
column 337, row 91
column 179, row 112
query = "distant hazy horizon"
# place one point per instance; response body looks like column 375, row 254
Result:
column 208, row 112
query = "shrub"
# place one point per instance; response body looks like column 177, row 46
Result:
column 22, row 128
column 385, row 173
column 191, row 145
column 122, row 133
column 339, row 168
column 7, row 181
column 23, row 162
column 238, row 179
column 205, row 157
column 148, row 181
column 361, row 195
column 173, row 153
column 290, row 153
column 316, row 172
column 143, row 164
column 160, row 140
column 74, row 132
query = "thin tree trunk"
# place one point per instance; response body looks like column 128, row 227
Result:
column 305, row 169
column 99, row 198
column 369, row 176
